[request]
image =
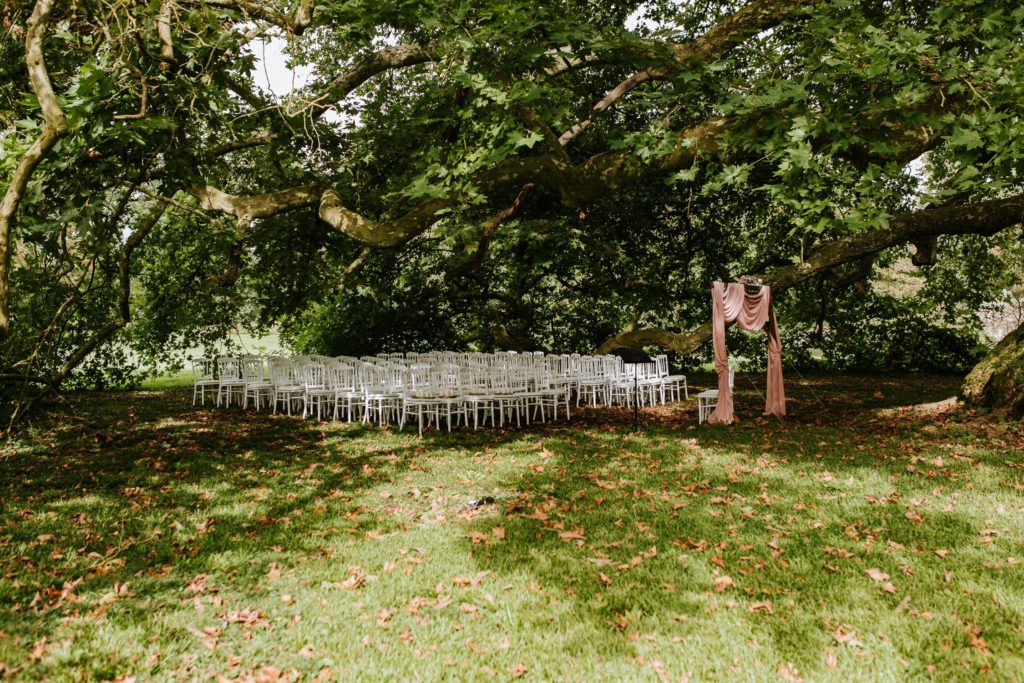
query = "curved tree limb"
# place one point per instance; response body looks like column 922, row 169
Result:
column 385, row 233
column 577, row 184
column 981, row 218
column 728, row 33
column 54, row 127
column 123, row 314
column 385, row 59
column 245, row 209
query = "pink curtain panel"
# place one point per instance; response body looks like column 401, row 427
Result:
column 751, row 312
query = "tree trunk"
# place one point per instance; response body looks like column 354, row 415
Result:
column 997, row 382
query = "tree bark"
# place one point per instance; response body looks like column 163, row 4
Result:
column 54, row 127
column 997, row 382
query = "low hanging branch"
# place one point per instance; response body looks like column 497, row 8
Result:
column 577, row 184
column 54, row 127
column 384, row 233
column 122, row 315
column 982, row 218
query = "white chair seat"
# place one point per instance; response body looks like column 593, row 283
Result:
column 706, row 402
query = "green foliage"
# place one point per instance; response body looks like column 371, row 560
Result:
column 882, row 333
column 825, row 111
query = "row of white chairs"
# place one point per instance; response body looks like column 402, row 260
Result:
column 433, row 387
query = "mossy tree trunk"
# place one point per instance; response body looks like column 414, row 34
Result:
column 997, row 382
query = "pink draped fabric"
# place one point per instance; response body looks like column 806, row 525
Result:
column 752, row 312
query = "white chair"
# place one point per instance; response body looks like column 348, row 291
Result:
column 672, row 383
column 229, row 380
column 287, row 389
column 381, row 402
column 341, row 378
column 593, row 385
column 203, row 379
column 477, row 396
column 651, row 386
column 550, row 396
column 428, row 397
column 256, row 383
column 317, row 392
column 708, row 400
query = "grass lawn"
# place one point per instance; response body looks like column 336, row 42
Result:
column 140, row 536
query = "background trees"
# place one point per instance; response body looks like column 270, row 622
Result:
column 499, row 174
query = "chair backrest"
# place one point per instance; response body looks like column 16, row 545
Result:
column 228, row 368
column 252, row 368
column 339, row 376
column 281, row 370
column 732, row 377
column 371, row 378
column 395, row 376
column 203, row 369
column 312, row 374
column 661, row 360
column 444, row 380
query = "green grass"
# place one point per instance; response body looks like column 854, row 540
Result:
column 141, row 536
column 266, row 345
column 169, row 380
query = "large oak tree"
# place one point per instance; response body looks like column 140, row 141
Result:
column 842, row 128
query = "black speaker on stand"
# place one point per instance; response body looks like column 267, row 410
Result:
column 635, row 357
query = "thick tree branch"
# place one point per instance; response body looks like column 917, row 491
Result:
column 256, row 206
column 247, row 209
column 728, row 33
column 256, row 140
column 982, row 218
column 577, row 184
column 385, row 233
column 732, row 30
column 54, row 127
column 385, row 59
column 163, row 24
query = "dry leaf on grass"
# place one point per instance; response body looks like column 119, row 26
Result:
column 723, row 582
column 876, row 574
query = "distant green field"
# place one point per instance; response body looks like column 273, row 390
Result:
column 263, row 346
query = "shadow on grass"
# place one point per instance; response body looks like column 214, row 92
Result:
column 155, row 493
